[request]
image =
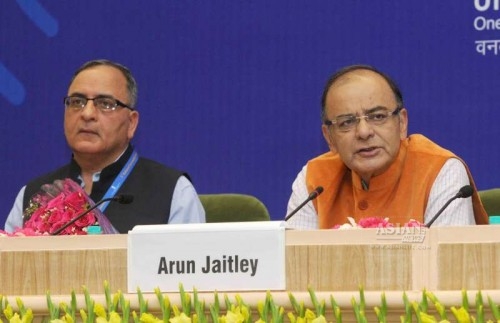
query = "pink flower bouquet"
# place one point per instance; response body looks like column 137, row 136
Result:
column 373, row 222
column 56, row 205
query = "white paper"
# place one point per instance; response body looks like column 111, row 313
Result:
column 231, row 256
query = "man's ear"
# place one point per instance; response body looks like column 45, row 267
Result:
column 328, row 137
column 403, row 123
column 133, row 123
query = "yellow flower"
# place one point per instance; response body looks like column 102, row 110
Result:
column 149, row 318
column 176, row 310
column 461, row 314
column 182, row 318
column 319, row 319
column 28, row 316
column 83, row 314
column 15, row 318
column 67, row 318
column 101, row 320
column 245, row 311
column 113, row 318
column 440, row 308
column 309, row 316
column 234, row 316
column 100, row 311
column 426, row 318
column 260, row 307
column 8, row 312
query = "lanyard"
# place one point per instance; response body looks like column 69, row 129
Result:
column 122, row 176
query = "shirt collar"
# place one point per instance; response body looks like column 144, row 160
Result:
column 103, row 178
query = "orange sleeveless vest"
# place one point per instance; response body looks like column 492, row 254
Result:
column 400, row 194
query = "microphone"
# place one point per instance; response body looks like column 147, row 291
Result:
column 122, row 199
column 464, row 192
column 314, row 194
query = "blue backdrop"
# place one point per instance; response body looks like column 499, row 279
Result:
column 229, row 90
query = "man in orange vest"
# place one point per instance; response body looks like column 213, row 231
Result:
column 373, row 169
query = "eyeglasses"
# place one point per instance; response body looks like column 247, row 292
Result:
column 103, row 103
column 349, row 122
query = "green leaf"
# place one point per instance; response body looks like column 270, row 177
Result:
column 299, row 308
column 125, row 306
column 408, row 308
column 53, row 310
column 439, row 307
column 317, row 306
column 277, row 312
column 216, row 304
column 185, row 301
column 357, row 310
column 480, row 313
column 424, row 305
column 164, row 305
column 266, row 307
column 494, row 309
column 241, row 303
column 20, row 306
column 199, row 307
column 107, row 296
column 90, row 309
column 143, row 304
column 337, row 314
column 362, row 300
column 465, row 300
column 214, row 314
column 383, row 309
column 73, row 306
column 416, row 308
column 479, row 308
column 479, row 298
column 229, row 305
column 295, row 304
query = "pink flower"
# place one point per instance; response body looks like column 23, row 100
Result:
column 54, row 207
column 414, row 223
column 373, row 222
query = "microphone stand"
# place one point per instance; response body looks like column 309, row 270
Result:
column 314, row 194
column 440, row 211
column 464, row 192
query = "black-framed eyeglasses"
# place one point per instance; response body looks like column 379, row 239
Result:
column 349, row 122
column 103, row 103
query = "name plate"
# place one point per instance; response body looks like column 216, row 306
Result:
column 230, row 256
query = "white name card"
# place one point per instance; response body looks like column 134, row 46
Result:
column 231, row 256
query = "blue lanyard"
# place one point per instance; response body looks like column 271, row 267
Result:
column 122, row 176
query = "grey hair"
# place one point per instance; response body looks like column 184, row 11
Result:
column 131, row 83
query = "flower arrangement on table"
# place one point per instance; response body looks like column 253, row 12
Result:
column 192, row 308
column 373, row 222
column 55, row 206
